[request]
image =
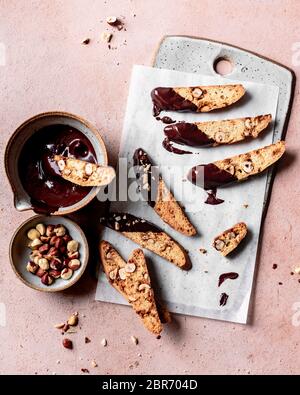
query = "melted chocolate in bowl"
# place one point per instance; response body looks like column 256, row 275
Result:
column 39, row 174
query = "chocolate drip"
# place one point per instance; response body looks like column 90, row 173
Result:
column 223, row 299
column 167, row 99
column 213, row 177
column 167, row 144
column 187, row 134
column 124, row 222
column 147, row 176
column 212, row 198
column 39, row 173
column 165, row 119
column 225, row 276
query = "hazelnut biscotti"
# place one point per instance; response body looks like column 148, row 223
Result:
column 196, row 99
column 83, row 173
column 149, row 236
column 237, row 168
column 158, row 196
column 132, row 280
column 230, row 238
column 213, row 133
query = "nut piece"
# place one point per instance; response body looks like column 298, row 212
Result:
column 88, row 169
column 220, row 136
column 134, row 340
column 132, row 298
column 60, row 230
column 50, row 230
column 247, row 166
column 143, row 287
column 112, row 20
column 35, row 244
column 104, row 342
column 32, row 267
column 72, row 246
column 46, row 279
column 43, row 263
column 230, row 169
column 113, row 274
column 231, row 235
column 94, row 363
column 106, row 37
column 55, row 274
column 74, row 264
column 197, row 93
column 33, row 234
column 66, row 274
column 73, row 320
column 248, row 123
column 67, row 343
column 61, row 164
column 130, row 267
column 122, row 273
column 219, row 245
column 297, row 270
column 59, row 326
column 41, row 228
column 73, row 255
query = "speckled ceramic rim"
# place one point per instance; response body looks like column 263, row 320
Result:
column 70, row 282
column 66, row 115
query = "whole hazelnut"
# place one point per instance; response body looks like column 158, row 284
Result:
column 44, row 249
column 32, row 267
column 72, row 246
column 40, row 272
column 45, row 239
column 67, row 343
column 35, row 244
column 53, row 240
column 66, row 274
column 67, row 238
column 73, row 255
column 49, row 230
column 43, row 263
column 60, row 230
column 56, row 264
column 33, row 234
column 41, row 228
column 53, row 252
column 46, row 279
column 74, row 264
column 58, row 243
column 55, row 273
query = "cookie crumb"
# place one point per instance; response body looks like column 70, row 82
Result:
column 86, row 41
column 274, row 266
column 246, row 205
column 87, row 340
column 203, row 250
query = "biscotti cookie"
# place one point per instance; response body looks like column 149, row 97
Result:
column 149, row 236
column 132, row 280
column 158, row 196
column 213, row 133
column 195, row 99
column 237, row 168
column 84, row 173
column 230, row 239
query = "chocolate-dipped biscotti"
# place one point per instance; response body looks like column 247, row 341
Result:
column 237, row 168
column 230, row 238
column 195, row 99
column 132, row 280
column 149, row 236
column 83, row 173
column 158, row 196
column 213, row 133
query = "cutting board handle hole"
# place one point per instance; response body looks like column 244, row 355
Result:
column 223, row 66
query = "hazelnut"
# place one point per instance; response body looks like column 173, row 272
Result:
column 66, row 274
column 67, row 238
column 88, row 169
column 49, row 230
column 130, row 267
column 59, row 243
column 74, row 264
column 56, row 264
column 53, row 240
column 231, row 235
column 41, row 228
column 72, row 246
column 73, row 255
column 35, row 254
column 145, row 287
column 230, row 169
column 113, row 274
column 44, row 249
column 67, row 343
column 45, row 239
column 46, row 279
column 73, row 320
column 219, row 245
column 132, row 298
column 35, row 244
column 197, row 93
column 61, row 164
column 220, row 137
column 33, row 234
column 52, row 252
column 43, row 263
column 32, row 267
column 36, row 259
column 63, row 249
column 55, row 273
column 122, row 274
column 60, row 230
column 248, row 123
column 112, row 20
column 247, row 166
column 40, row 272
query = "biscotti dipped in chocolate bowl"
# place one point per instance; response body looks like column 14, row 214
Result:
column 213, row 133
column 236, row 168
column 158, row 196
column 195, row 99
column 149, row 236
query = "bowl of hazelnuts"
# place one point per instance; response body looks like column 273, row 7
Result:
column 49, row 253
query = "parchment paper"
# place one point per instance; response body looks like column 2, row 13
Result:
column 195, row 292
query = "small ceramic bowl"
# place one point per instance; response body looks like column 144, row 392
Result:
column 25, row 131
column 19, row 253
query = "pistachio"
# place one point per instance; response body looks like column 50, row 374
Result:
column 33, row 234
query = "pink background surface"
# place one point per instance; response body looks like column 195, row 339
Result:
column 48, row 69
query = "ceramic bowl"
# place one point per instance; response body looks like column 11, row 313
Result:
column 25, row 131
column 19, row 253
